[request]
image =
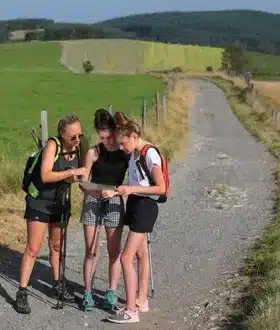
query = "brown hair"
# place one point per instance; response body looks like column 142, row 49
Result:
column 103, row 120
column 125, row 126
column 64, row 121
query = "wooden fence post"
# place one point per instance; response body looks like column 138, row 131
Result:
column 278, row 121
column 44, row 127
column 144, row 114
column 164, row 106
column 157, row 107
column 275, row 117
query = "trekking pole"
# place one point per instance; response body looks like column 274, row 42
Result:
column 150, row 262
column 62, row 254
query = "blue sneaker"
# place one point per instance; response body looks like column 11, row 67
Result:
column 88, row 302
column 110, row 300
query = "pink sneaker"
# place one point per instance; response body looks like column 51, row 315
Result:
column 144, row 308
column 125, row 316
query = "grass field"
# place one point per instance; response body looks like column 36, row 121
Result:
column 132, row 56
column 139, row 56
column 265, row 64
column 32, row 80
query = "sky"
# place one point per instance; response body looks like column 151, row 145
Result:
column 91, row 11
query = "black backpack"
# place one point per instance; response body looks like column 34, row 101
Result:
column 32, row 170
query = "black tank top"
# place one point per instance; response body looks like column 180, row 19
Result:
column 110, row 167
column 47, row 201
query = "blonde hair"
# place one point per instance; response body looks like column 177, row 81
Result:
column 64, row 121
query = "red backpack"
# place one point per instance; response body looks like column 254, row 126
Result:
column 142, row 161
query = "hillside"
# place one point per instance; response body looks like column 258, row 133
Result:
column 255, row 30
column 131, row 56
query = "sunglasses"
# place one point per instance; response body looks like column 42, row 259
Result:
column 76, row 137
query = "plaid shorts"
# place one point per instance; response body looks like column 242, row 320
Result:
column 96, row 211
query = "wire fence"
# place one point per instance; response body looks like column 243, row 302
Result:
column 270, row 111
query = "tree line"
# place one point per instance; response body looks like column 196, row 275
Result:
column 255, row 31
column 47, row 30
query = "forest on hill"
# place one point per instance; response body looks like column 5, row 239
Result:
column 253, row 30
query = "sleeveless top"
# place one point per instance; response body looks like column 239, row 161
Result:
column 48, row 200
column 110, row 166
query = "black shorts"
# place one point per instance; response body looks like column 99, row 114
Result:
column 34, row 215
column 141, row 214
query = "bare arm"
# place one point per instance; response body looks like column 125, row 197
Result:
column 47, row 174
column 90, row 157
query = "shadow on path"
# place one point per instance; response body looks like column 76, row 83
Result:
column 40, row 283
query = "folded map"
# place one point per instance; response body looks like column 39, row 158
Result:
column 96, row 186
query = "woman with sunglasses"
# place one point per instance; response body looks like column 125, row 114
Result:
column 107, row 164
column 45, row 211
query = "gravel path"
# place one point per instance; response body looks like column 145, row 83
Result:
column 221, row 197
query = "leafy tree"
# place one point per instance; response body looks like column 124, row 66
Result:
column 236, row 59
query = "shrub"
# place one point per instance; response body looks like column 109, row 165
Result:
column 177, row 69
column 88, row 67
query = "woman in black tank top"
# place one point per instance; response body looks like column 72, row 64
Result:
column 45, row 210
column 106, row 164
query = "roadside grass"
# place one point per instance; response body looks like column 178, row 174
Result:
column 170, row 136
column 259, row 308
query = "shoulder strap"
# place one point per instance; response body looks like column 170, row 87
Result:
column 97, row 148
column 36, row 156
column 143, row 162
column 58, row 146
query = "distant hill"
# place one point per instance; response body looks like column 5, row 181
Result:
column 254, row 30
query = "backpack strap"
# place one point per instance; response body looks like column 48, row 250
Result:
column 58, row 146
column 38, row 153
column 141, row 163
column 98, row 149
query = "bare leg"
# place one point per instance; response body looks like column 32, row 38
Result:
column 54, row 246
column 90, row 235
column 35, row 237
column 114, row 248
column 134, row 241
column 143, row 269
